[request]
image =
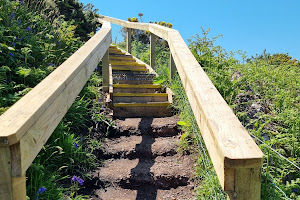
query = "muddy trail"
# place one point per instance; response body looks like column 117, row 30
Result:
column 142, row 163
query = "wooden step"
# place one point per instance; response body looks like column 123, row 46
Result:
column 126, row 63
column 149, row 109
column 126, row 81
column 139, row 97
column 129, row 68
column 130, row 88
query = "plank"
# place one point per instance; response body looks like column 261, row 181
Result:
column 148, row 104
column 140, row 94
column 137, row 86
column 5, row 172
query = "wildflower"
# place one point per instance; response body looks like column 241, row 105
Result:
column 99, row 100
column 13, row 15
column 41, row 190
column 78, row 179
column 19, row 22
column 28, row 28
column 97, row 68
column 94, row 99
column 11, row 54
column 51, row 64
column 109, row 100
column 295, row 190
column 13, row 44
column 76, row 145
column 74, row 178
column 103, row 108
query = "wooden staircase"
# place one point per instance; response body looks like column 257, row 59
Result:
column 134, row 94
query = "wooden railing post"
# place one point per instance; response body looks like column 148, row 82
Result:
column 246, row 184
column 11, row 188
column 128, row 40
column 105, row 71
column 172, row 66
column 152, row 50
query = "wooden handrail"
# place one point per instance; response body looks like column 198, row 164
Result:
column 236, row 157
column 27, row 125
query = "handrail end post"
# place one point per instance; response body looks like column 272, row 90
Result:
column 11, row 187
column 246, row 184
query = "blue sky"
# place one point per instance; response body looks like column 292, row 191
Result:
column 251, row 26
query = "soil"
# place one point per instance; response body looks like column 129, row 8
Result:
column 142, row 163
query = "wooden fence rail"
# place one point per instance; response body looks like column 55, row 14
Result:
column 236, row 158
column 28, row 124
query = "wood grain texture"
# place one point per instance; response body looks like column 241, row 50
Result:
column 16, row 121
column 6, row 192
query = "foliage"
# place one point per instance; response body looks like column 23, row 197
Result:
column 84, row 17
column 31, row 48
column 32, row 45
column 276, row 59
column 264, row 94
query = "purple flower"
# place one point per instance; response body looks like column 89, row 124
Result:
column 99, row 100
column 11, row 54
column 51, row 64
column 28, row 28
column 295, row 190
column 12, row 15
column 21, row 2
column 42, row 189
column 13, row 44
column 94, row 99
column 103, row 108
column 78, row 179
column 74, row 178
column 96, row 68
column 19, row 22
column 76, row 145
column 109, row 100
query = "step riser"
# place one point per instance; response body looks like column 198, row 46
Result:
column 135, row 82
column 142, row 111
column 140, row 99
column 137, row 90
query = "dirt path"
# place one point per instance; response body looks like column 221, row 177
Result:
column 141, row 162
